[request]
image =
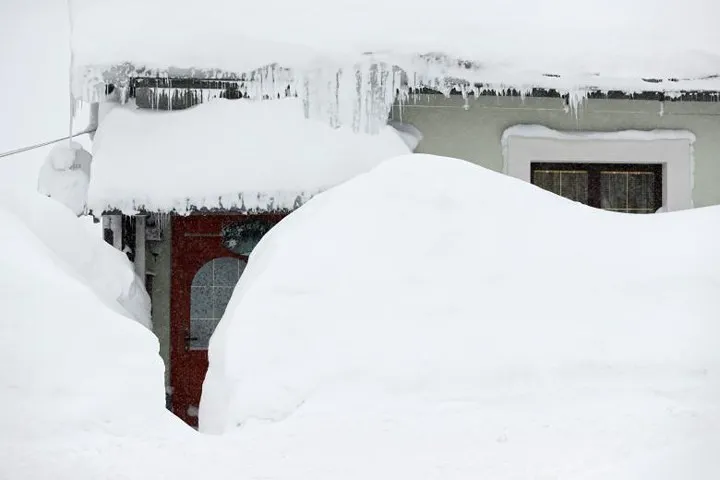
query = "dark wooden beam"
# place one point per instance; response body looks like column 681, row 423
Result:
column 684, row 96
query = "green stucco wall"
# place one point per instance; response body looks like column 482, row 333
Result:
column 159, row 261
column 474, row 132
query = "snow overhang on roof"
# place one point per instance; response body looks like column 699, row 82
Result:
column 360, row 95
column 353, row 61
column 226, row 155
column 434, row 72
column 573, row 48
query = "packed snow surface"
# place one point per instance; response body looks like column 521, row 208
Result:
column 226, row 153
column 429, row 320
column 81, row 388
column 611, row 42
column 433, row 319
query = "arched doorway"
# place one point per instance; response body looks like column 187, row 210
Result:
column 209, row 255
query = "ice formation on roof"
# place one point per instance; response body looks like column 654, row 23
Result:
column 361, row 94
column 348, row 62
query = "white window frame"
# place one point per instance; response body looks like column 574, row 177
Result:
column 526, row 144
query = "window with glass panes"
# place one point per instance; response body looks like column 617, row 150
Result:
column 629, row 188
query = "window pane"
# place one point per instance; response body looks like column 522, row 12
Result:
column 203, row 277
column 548, row 180
column 613, row 191
column 201, row 330
column 641, row 192
column 571, row 184
column 221, row 298
column 631, row 192
column 575, row 186
column 210, row 293
column 201, row 302
column 226, row 271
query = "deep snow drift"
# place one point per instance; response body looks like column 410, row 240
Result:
column 78, row 248
column 433, row 319
column 449, row 325
column 75, row 367
column 226, row 154
column 82, row 391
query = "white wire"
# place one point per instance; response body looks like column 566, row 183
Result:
column 44, row 144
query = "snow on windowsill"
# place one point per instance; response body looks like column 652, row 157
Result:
column 540, row 131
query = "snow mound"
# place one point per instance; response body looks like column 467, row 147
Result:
column 82, row 253
column 226, row 154
column 82, row 391
column 71, row 364
column 452, row 310
column 65, row 176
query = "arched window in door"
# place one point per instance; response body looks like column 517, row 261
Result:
column 211, row 289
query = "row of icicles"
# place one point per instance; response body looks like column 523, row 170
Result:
column 360, row 97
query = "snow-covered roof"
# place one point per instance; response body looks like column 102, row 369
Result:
column 638, row 45
column 226, row 154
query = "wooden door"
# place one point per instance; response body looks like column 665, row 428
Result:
column 206, row 266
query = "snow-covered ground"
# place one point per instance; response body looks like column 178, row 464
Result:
column 76, row 370
column 429, row 319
